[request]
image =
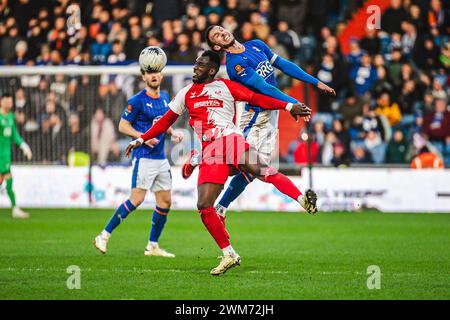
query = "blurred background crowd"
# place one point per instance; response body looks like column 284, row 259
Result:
column 392, row 83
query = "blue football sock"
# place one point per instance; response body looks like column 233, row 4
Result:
column 121, row 213
column 159, row 219
column 236, row 187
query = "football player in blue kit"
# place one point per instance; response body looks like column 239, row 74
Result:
column 151, row 169
column 252, row 64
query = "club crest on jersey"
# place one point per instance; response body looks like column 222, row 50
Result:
column 129, row 108
column 239, row 69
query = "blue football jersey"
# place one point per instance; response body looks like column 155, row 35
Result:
column 257, row 56
column 142, row 111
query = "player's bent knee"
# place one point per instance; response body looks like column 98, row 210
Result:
column 165, row 204
column 204, row 204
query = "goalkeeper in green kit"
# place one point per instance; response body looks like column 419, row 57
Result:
column 9, row 134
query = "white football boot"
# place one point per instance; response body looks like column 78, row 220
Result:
column 101, row 241
column 18, row 213
column 153, row 250
column 226, row 262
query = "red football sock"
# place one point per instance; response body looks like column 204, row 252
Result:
column 284, row 185
column 215, row 227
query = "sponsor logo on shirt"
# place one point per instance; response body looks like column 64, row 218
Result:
column 264, row 69
column 209, row 103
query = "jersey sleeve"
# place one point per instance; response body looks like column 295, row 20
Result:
column 241, row 93
column 16, row 135
column 294, row 71
column 178, row 104
column 238, row 91
column 267, row 51
column 131, row 110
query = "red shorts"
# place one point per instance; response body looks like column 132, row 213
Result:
column 218, row 155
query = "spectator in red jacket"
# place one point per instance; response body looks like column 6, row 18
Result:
column 301, row 153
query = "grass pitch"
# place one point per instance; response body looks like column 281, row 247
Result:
column 284, row 256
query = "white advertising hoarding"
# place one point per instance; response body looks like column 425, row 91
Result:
column 390, row 190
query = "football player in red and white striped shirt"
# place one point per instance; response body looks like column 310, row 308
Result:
column 211, row 105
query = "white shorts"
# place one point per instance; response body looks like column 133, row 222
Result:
column 151, row 174
column 261, row 131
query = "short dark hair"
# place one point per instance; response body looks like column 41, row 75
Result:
column 214, row 58
column 208, row 41
column 6, row 95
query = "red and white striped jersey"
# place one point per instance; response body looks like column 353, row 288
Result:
column 211, row 107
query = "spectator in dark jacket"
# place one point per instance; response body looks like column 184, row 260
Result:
column 392, row 18
column 8, row 44
column 135, row 43
column 397, row 149
column 426, row 54
column 371, row 42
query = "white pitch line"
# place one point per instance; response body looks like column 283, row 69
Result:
column 12, row 269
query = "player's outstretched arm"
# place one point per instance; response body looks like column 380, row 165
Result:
column 295, row 109
column 241, row 93
column 249, row 78
column 158, row 128
column 126, row 128
column 294, row 71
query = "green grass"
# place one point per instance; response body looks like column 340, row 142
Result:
column 284, row 256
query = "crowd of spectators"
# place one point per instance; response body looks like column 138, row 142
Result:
column 393, row 85
column 393, row 90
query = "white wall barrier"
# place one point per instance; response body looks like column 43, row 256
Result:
column 390, row 190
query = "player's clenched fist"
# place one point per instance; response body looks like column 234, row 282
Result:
column 133, row 144
column 299, row 110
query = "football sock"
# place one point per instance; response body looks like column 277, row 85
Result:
column 121, row 213
column 235, row 188
column 159, row 219
column 10, row 192
column 215, row 227
column 284, row 185
column 229, row 251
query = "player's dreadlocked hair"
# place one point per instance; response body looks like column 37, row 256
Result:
column 208, row 41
